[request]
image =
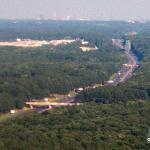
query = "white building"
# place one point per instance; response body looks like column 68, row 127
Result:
column 18, row 40
column 110, row 81
column 46, row 99
column 84, row 42
column 12, row 111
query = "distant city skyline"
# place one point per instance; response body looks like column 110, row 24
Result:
column 75, row 9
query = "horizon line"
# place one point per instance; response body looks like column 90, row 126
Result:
column 50, row 19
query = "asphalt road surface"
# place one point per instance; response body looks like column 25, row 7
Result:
column 126, row 71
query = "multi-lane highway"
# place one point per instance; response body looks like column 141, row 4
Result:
column 126, row 71
column 121, row 76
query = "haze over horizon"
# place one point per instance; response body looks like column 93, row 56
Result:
column 76, row 9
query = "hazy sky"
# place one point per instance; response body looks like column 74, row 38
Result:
column 91, row 9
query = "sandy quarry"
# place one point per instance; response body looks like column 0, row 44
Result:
column 35, row 43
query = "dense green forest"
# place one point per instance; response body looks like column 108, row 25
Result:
column 87, row 127
column 112, row 94
column 27, row 73
column 112, row 118
column 138, row 87
column 37, row 72
column 34, row 29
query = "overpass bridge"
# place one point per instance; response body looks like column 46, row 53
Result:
column 48, row 105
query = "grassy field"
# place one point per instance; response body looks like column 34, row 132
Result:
column 7, row 116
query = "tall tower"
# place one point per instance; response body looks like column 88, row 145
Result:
column 54, row 15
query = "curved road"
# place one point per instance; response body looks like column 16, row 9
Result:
column 126, row 71
column 121, row 76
